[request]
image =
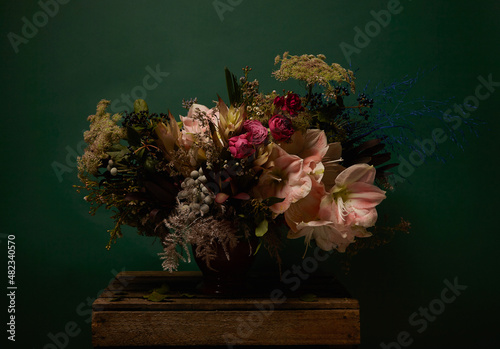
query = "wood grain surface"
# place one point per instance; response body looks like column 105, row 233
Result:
column 267, row 313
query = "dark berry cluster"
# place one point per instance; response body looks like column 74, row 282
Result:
column 364, row 101
column 131, row 119
column 341, row 91
column 317, row 102
column 158, row 117
column 138, row 119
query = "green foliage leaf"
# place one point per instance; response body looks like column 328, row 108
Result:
column 150, row 165
column 140, row 105
column 233, row 88
column 117, row 147
column 309, row 297
column 133, row 137
column 156, row 297
column 261, row 228
column 187, row 295
column 164, row 289
column 159, row 294
column 258, row 248
column 140, row 153
column 117, row 152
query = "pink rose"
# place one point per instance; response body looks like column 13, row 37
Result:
column 241, row 146
column 281, row 128
column 257, row 131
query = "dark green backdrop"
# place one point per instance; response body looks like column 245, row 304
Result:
column 90, row 50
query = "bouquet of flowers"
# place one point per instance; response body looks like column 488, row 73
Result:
column 243, row 169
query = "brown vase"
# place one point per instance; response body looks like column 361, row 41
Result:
column 226, row 277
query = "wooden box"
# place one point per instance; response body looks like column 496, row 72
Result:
column 269, row 313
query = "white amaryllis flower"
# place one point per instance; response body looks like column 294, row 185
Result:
column 328, row 235
column 353, row 198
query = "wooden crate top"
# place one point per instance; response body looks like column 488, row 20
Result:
column 128, row 289
column 123, row 318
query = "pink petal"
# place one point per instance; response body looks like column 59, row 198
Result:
column 334, row 152
column 364, row 195
column 361, row 217
column 310, row 146
column 332, row 170
column 242, row 196
column 221, row 197
column 192, row 111
column 315, row 145
column 356, row 173
column 306, row 209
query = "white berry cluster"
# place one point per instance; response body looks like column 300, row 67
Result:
column 194, row 198
column 113, row 170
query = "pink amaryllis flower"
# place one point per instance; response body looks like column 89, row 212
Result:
column 331, row 163
column 344, row 212
column 195, row 126
column 311, row 145
column 328, row 235
column 283, row 177
column 352, row 200
column 307, row 208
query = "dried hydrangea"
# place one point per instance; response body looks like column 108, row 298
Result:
column 312, row 70
column 104, row 132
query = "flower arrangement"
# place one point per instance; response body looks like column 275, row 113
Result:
column 245, row 169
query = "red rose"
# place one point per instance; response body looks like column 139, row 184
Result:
column 290, row 103
column 293, row 104
column 279, row 102
column 281, row 128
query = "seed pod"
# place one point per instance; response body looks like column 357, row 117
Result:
column 204, row 209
